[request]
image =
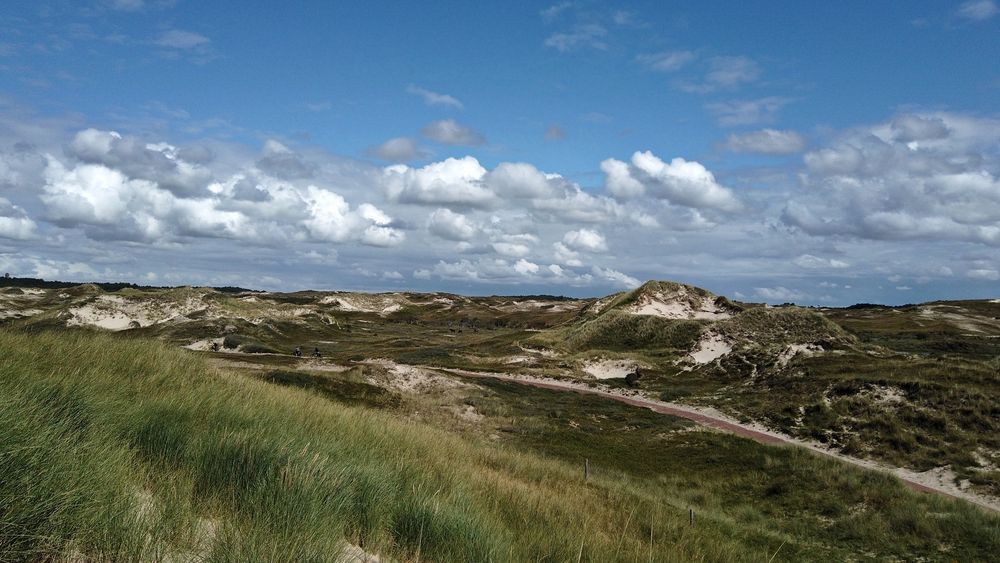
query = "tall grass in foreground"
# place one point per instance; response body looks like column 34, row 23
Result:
column 116, row 450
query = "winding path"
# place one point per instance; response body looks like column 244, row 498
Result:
column 719, row 421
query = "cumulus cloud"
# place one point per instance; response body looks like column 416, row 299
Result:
column 15, row 223
column 281, row 162
column 668, row 61
column 680, row 182
column 520, row 180
column 978, row 10
column 160, row 163
column 747, row 112
column 399, row 149
column 921, row 176
column 450, row 132
column 513, row 249
column 585, row 240
column 565, row 255
column 119, row 188
column 465, row 183
column 522, row 270
column 449, row 225
column 457, row 181
column 432, row 98
column 910, row 128
column 766, row 141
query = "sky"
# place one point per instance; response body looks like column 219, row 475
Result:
column 818, row 153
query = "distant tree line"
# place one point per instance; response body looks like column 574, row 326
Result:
column 12, row 281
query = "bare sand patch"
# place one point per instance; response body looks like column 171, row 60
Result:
column 204, row 344
column 413, row 379
column 609, row 369
column 711, row 347
column 678, row 304
column 382, row 304
column 793, row 350
column 114, row 312
column 18, row 313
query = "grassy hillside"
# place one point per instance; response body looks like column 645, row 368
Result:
column 123, row 449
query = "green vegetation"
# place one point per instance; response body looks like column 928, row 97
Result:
column 182, row 458
column 911, row 412
column 619, row 331
column 135, row 450
column 347, row 387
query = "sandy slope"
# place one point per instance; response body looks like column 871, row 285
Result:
column 934, row 481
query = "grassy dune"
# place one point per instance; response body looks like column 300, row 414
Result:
column 119, row 449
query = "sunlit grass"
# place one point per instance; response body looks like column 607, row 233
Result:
column 119, row 449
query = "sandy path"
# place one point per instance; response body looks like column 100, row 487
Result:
column 714, row 419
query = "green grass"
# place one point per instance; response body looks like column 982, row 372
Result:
column 279, row 473
column 619, row 331
column 137, row 451
column 349, row 388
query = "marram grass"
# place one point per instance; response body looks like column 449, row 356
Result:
column 128, row 450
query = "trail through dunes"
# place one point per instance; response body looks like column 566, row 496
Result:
column 933, row 481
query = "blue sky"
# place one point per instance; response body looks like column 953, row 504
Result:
column 779, row 151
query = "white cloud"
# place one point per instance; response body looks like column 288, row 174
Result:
column 282, row 162
column 585, row 240
column 181, row 39
column 747, row 112
column 978, row 10
column 565, row 255
column 555, row 10
column 525, row 267
column 513, row 180
column 332, row 220
column 618, row 278
column 451, row 181
column 392, row 275
column 451, row 226
column 123, row 189
column 433, row 98
column 811, row 262
column 984, row 274
column 399, row 149
column 511, row 249
column 450, row 132
column 582, row 35
column 766, row 141
column 725, row 73
column 910, row 128
column 159, row 163
column 779, row 294
column 14, row 222
column 668, row 61
column 680, row 182
column 922, row 176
